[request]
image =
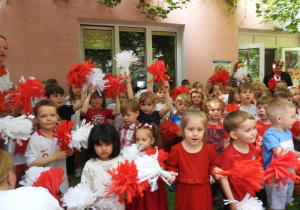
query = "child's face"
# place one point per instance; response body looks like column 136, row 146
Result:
column 196, row 98
column 47, row 117
column 3, row 50
column 76, row 91
column 194, row 131
column 214, row 110
column 217, row 90
column 236, row 97
column 130, row 117
column 296, row 95
column 181, row 106
column 280, row 85
column 147, row 107
column 288, row 118
column 144, row 139
column 261, row 111
column 160, row 96
column 256, row 90
column 122, row 98
column 96, row 101
column 246, row 132
column 246, row 95
column 199, row 87
column 227, row 89
column 57, row 99
column 104, row 150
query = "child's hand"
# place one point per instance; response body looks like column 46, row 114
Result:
column 217, row 176
column 233, row 206
column 70, row 153
column 171, row 179
column 127, row 78
column 166, row 86
column 60, row 155
column 124, row 195
column 91, row 88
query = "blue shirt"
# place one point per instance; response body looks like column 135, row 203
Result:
column 176, row 120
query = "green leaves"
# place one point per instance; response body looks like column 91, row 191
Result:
column 109, row 3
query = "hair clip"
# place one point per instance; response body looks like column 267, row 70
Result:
column 146, row 125
column 195, row 90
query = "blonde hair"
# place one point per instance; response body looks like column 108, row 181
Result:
column 208, row 101
column 219, row 67
column 147, row 97
column 260, row 84
column 283, row 93
column 154, row 132
column 266, row 92
column 234, row 119
column 183, row 97
column 278, row 107
column 220, row 86
column 192, row 113
column 198, row 85
column 245, row 86
column 129, row 105
column 6, row 165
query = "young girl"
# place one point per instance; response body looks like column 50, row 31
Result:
column 234, row 97
column 147, row 104
column 218, row 91
column 198, row 85
column 147, row 136
column 194, row 160
column 104, row 149
column 197, row 98
column 258, row 87
column 5, row 83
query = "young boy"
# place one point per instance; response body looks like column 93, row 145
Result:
column 276, row 139
column 182, row 103
column 240, row 125
column 42, row 149
column 130, row 112
column 281, row 84
column 246, row 93
column 284, row 94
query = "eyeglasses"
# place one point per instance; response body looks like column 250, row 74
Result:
column 279, row 65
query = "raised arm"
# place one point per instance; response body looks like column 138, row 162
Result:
column 129, row 87
column 168, row 106
column 117, row 111
column 79, row 105
column 86, row 103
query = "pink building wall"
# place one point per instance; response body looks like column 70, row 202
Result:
column 43, row 35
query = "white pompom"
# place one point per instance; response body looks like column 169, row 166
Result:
column 125, row 59
column 248, row 203
column 32, row 175
column 96, row 79
column 5, row 83
column 211, row 179
column 130, row 152
column 78, row 197
column 80, row 136
column 139, row 93
column 18, row 128
column 241, row 73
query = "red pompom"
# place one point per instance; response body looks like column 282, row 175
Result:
column 114, row 86
column 231, row 107
column 248, row 173
column 296, row 129
column 279, row 169
column 78, row 73
column 162, row 157
column 21, row 149
column 221, row 76
column 125, row 181
column 51, row 180
column 169, row 130
column 151, row 151
column 2, row 104
column 27, row 91
column 179, row 90
column 158, row 70
column 63, row 134
column 271, row 84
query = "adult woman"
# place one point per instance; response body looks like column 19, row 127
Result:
column 24, row 198
column 209, row 85
column 233, row 81
column 5, row 83
column 278, row 74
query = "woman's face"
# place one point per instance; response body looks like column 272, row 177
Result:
column 3, row 51
column 278, row 67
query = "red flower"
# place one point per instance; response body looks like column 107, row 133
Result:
column 221, row 76
column 179, row 90
column 63, row 134
column 169, row 130
column 231, row 107
column 2, row 104
column 158, row 70
column 78, row 73
column 271, row 84
column 125, row 181
column 114, row 85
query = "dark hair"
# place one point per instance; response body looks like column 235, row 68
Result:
column 53, row 89
column 52, row 82
column 105, row 133
column 41, row 103
column 103, row 105
column 158, row 88
column 185, row 82
column 235, row 66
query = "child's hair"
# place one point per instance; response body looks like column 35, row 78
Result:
column 153, row 131
column 183, row 97
column 52, row 82
column 260, row 84
column 283, row 93
column 264, row 92
column 158, row 88
column 209, row 100
column 198, row 85
column 41, row 103
column 107, row 134
column 71, row 95
column 235, row 66
column 6, row 165
column 219, row 67
column 184, row 82
column 53, row 89
column 3, row 37
column 278, row 107
column 146, row 97
column 234, row 119
column 196, row 91
column 231, row 94
column 265, row 100
column 220, row 85
column 129, row 105
column 245, row 86
column 103, row 105
column 192, row 113
column 281, row 82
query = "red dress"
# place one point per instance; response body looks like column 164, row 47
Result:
column 193, row 190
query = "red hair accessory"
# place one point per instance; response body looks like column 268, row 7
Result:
column 2, row 104
column 169, row 130
column 179, row 90
column 78, row 73
column 271, row 84
column 3, row 70
column 158, row 70
column 114, row 86
column 221, row 76
column 63, row 134
column 146, row 125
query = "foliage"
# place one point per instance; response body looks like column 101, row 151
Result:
column 109, row 3
column 250, row 58
column 284, row 11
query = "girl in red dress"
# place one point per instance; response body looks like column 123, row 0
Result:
column 194, row 161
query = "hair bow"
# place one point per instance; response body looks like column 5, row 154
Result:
column 146, row 125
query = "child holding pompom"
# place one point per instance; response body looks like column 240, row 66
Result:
column 197, row 98
column 147, row 136
column 194, row 160
column 104, row 148
column 218, row 91
column 160, row 100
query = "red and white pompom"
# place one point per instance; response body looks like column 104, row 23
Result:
column 63, row 134
column 80, row 137
column 124, row 60
column 2, row 104
column 248, row 203
column 241, row 73
column 179, row 90
column 78, row 73
column 32, row 175
column 158, row 70
column 96, row 78
column 169, row 130
column 114, row 86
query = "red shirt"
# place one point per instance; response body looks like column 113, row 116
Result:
column 98, row 116
column 261, row 129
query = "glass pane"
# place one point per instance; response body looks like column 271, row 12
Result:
column 135, row 39
column 163, row 48
column 292, row 62
column 250, row 58
column 98, row 47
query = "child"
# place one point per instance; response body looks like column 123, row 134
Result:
column 258, row 87
column 198, row 85
column 281, row 84
column 147, row 136
column 147, row 104
column 182, row 104
column 276, row 139
column 241, row 127
column 234, row 97
column 42, row 149
column 194, row 160
column 265, row 93
column 218, row 91
column 246, row 95
column 104, row 149
column 284, row 94
column 227, row 88
column 95, row 114
column 160, row 100
column 216, row 137
column 296, row 96
column 130, row 112
column 197, row 98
